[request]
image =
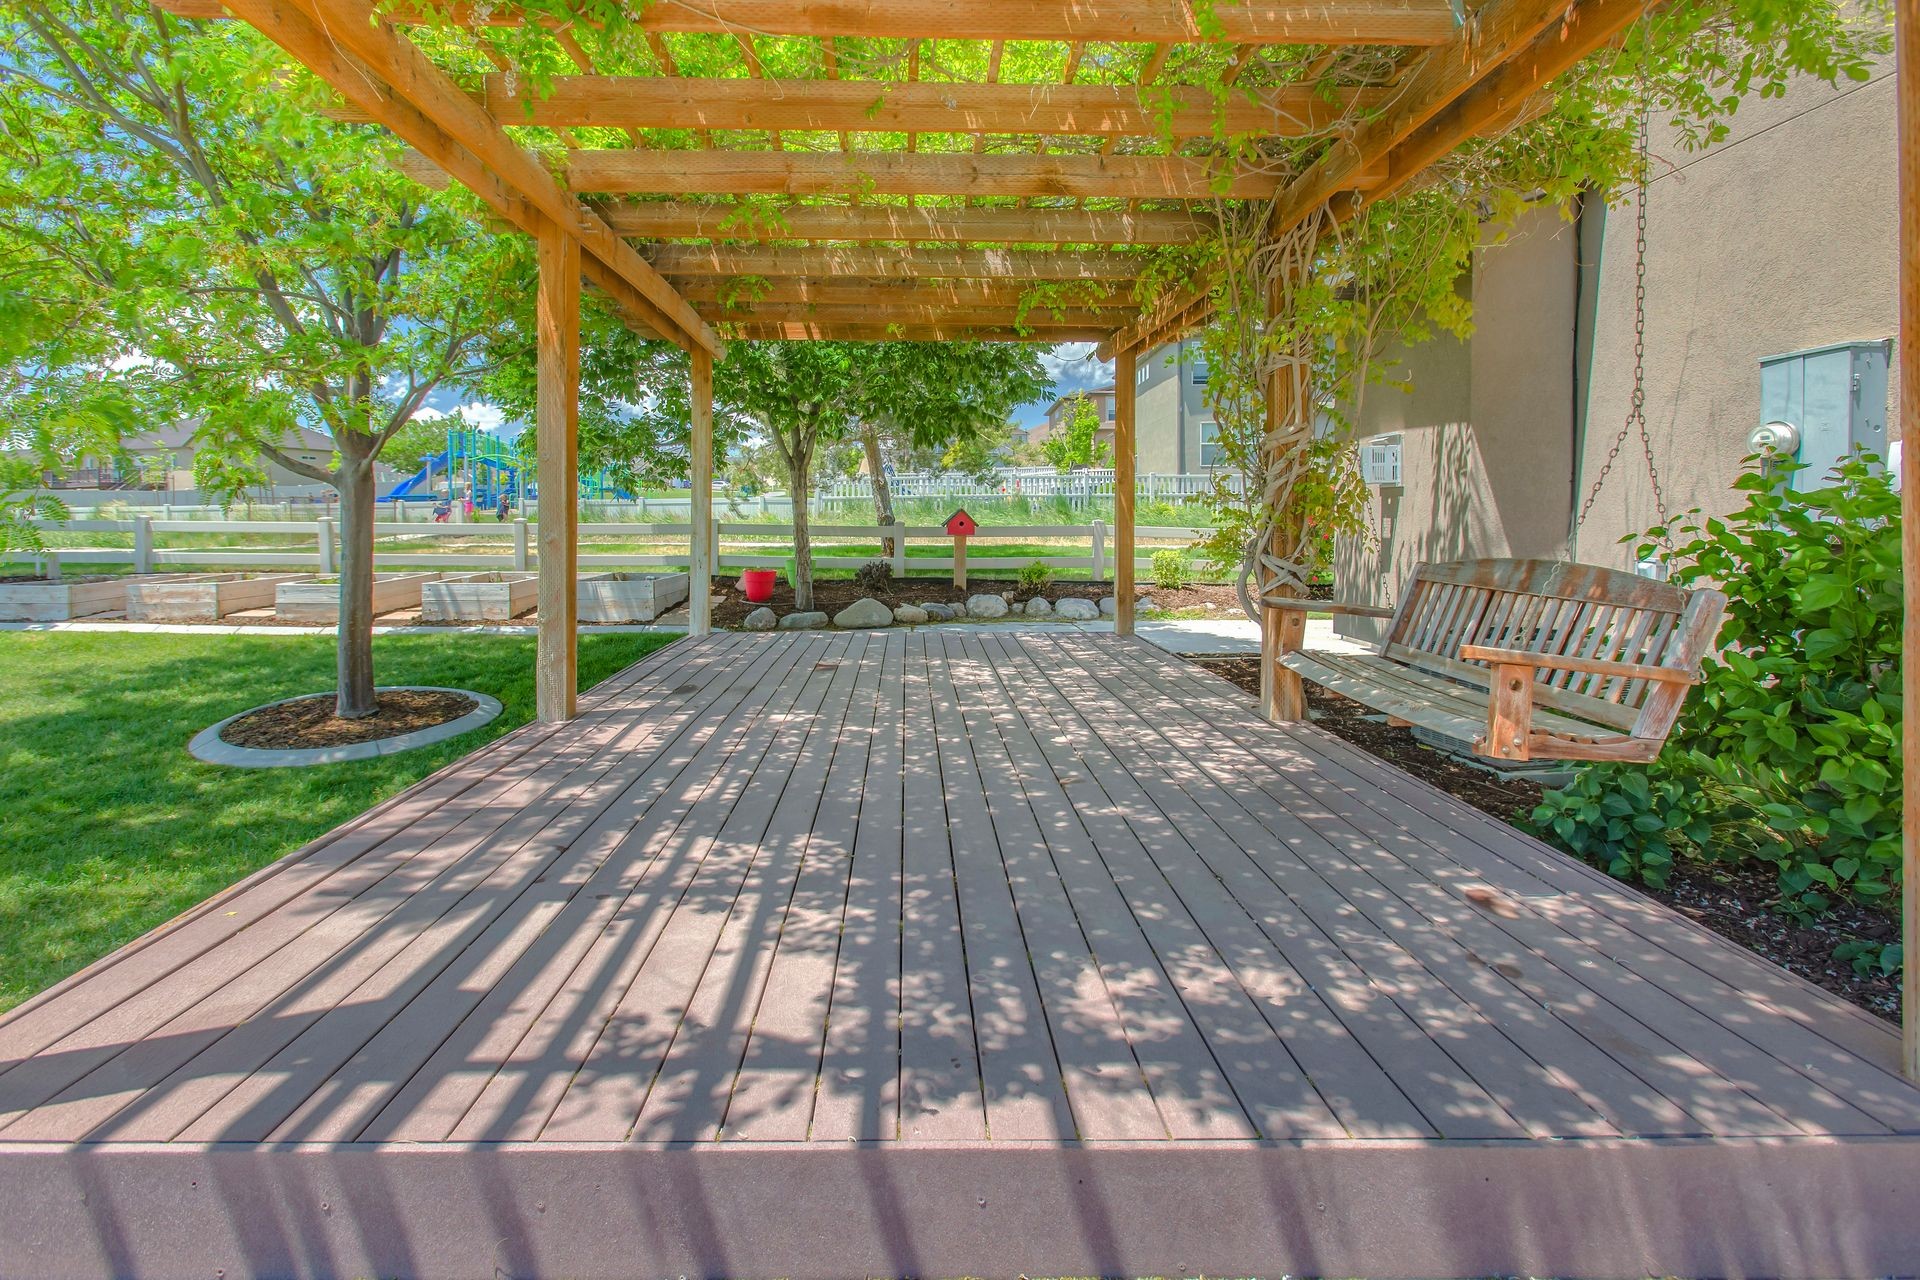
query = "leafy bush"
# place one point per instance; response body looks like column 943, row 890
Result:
column 1789, row 750
column 1035, row 578
column 875, row 577
column 1170, row 569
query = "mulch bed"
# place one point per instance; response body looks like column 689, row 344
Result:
column 1736, row 901
column 308, row 723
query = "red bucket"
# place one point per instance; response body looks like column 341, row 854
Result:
column 758, row 584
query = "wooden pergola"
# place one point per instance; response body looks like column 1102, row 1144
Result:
column 930, row 170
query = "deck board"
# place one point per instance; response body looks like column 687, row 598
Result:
column 940, row 894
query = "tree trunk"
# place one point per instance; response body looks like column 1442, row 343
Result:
column 882, row 491
column 354, row 644
column 799, row 478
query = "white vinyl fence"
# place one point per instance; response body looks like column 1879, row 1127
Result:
column 314, row 544
column 1079, row 487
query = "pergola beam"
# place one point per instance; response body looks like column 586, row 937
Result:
column 1000, row 316
column 827, row 262
column 819, row 173
column 885, row 295
column 429, row 96
column 803, row 330
column 857, row 106
column 1257, row 22
column 675, row 220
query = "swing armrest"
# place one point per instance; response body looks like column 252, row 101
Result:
column 1567, row 662
column 1300, row 604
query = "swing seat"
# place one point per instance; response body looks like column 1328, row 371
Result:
column 1528, row 659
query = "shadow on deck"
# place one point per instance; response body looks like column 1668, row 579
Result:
column 933, row 953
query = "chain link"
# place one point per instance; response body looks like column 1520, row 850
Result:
column 1637, row 410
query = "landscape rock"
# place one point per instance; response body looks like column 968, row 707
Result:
column 761, row 619
column 864, row 612
column 1109, row 607
column 986, row 607
column 1074, row 609
column 911, row 615
column 809, row 621
column 938, row 612
column 1039, row 607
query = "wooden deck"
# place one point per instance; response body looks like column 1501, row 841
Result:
column 952, row 951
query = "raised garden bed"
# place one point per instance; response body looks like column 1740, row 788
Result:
column 629, row 597
column 60, row 599
column 479, row 597
column 201, row 597
column 317, row 600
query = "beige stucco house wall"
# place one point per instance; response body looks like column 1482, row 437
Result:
column 1485, row 426
column 1780, row 238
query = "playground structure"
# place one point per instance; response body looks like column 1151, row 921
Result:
column 483, row 466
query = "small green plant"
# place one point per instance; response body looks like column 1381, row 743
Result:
column 1035, row 578
column 875, row 577
column 1789, row 750
column 1171, row 570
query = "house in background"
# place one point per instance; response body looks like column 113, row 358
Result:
column 1771, row 268
column 1173, row 427
column 163, row 458
column 1062, row 409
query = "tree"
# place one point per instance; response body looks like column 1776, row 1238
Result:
column 1077, row 443
column 977, row 455
column 269, row 266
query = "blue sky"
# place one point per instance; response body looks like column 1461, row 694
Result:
column 1072, row 365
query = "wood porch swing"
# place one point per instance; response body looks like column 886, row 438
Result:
column 1536, row 659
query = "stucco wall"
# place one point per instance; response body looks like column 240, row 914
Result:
column 1778, row 239
column 1156, row 411
column 1485, row 426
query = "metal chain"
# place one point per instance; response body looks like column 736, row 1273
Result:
column 1637, row 411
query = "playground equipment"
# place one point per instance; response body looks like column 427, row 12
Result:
column 484, row 466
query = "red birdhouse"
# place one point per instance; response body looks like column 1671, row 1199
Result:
column 961, row 525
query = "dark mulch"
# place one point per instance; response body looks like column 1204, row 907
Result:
column 310, row 722
column 1735, row 900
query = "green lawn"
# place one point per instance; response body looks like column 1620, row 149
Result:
column 108, row 827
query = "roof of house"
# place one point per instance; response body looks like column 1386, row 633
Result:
column 179, row 435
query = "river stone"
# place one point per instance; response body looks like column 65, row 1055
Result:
column 938, row 612
column 986, row 607
column 864, row 612
column 1074, row 609
column 809, row 621
column 911, row 615
column 761, row 619
column 1109, row 607
column 1039, row 607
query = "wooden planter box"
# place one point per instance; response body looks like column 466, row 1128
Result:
column 630, row 597
column 478, row 597
column 57, row 600
column 317, row 600
column 201, row 597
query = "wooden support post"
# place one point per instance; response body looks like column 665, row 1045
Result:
column 1123, row 482
column 960, row 561
column 1283, row 695
column 700, row 579
column 557, row 400
column 1907, row 157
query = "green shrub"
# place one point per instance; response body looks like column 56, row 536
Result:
column 1170, row 569
column 1035, row 578
column 1789, row 750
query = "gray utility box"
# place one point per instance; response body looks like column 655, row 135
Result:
column 1836, row 396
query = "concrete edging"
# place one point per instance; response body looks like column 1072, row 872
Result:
column 207, row 745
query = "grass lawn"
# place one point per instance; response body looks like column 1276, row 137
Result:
column 108, row 827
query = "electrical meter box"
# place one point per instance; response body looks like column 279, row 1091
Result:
column 1836, row 399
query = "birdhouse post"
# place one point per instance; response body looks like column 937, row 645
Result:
column 960, row 525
